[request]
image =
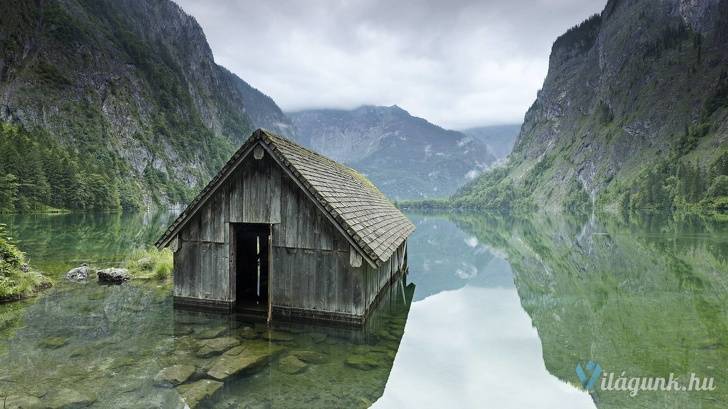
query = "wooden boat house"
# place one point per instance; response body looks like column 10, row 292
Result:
column 284, row 231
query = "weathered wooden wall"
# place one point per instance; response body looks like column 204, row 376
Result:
column 311, row 267
column 202, row 265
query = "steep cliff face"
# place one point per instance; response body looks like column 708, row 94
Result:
column 405, row 156
column 632, row 113
column 127, row 91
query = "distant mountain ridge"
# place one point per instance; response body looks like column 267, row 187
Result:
column 498, row 138
column 405, row 156
column 633, row 114
column 107, row 104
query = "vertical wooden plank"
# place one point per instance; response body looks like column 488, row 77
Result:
column 235, row 195
column 224, row 274
column 326, row 231
column 275, row 192
column 270, row 272
column 305, row 222
column 291, row 233
column 344, row 282
column 357, row 291
column 264, row 181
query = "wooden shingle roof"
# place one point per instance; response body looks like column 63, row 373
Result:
column 362, row 212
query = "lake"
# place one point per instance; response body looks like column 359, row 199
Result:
column 496, row 311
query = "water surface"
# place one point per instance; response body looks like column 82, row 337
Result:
column 496, row 311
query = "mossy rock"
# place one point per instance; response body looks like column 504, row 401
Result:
column 248, row 333
column 216, row 346
column 291, row 365
column 248, row 357
column 53, row 342
column 21, row 402
column 311, row 357
column 67, row 399
column 363, row 362
column 196, row 392
column 317, row 337
column 211, row 332
column 174, row 375
column 278, row 336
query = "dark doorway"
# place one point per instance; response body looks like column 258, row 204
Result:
column 251, row 265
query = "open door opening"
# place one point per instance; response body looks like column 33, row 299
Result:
column 251, row 266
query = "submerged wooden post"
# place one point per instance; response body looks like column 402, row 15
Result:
column 270, row 273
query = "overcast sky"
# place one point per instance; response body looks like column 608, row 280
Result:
column 457, row 63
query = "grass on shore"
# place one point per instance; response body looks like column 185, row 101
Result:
column 150, row 263
column 17, row 279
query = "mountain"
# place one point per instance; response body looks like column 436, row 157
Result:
column 115, row 103
column 633, row 113
column 498, row 138
column 405, row 156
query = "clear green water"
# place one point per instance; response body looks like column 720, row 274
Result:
column 496, row 312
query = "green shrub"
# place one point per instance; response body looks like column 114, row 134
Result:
column 17, row 280
column 150, row 263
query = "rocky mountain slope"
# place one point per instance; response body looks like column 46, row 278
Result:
column 632, row 114
column 498, row 138
column 405, row 156
column 107, row 104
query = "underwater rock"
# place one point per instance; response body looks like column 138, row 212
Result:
column 211, row 333
column 53, row 342
column 363, row 362
column 113, row 275
column 317, row 337
column 244, row 358
column 216, row 346
column 182, row 330
column 79, row 273
column 196, row 392
column 278, row 336
column 248, row 333
column 174, row 375
column 311, row 357
column 291, row 365
column 21, row 402
column 66, row 399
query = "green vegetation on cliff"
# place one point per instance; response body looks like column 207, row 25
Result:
column 633, row 114
column 110, row 105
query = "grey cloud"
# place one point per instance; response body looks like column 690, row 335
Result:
column 458, row 63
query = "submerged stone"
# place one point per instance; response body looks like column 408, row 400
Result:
column 244, row 358
column 196, row 392
column 248, row 333
column 53, row 342
column 113, row 275
column 291, row 365
column 363, row 362
column 216, row 346
column 311, row 357
column 67, row 399
column 317, row 337
column 174, row 375
column 211, row 332
column 277, row 336
column 20, row 402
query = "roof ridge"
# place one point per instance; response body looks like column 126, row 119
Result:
column 362, row 212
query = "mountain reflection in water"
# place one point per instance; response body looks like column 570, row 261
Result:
column 503, row 309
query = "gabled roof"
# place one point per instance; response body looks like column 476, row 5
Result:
column 350, row 200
